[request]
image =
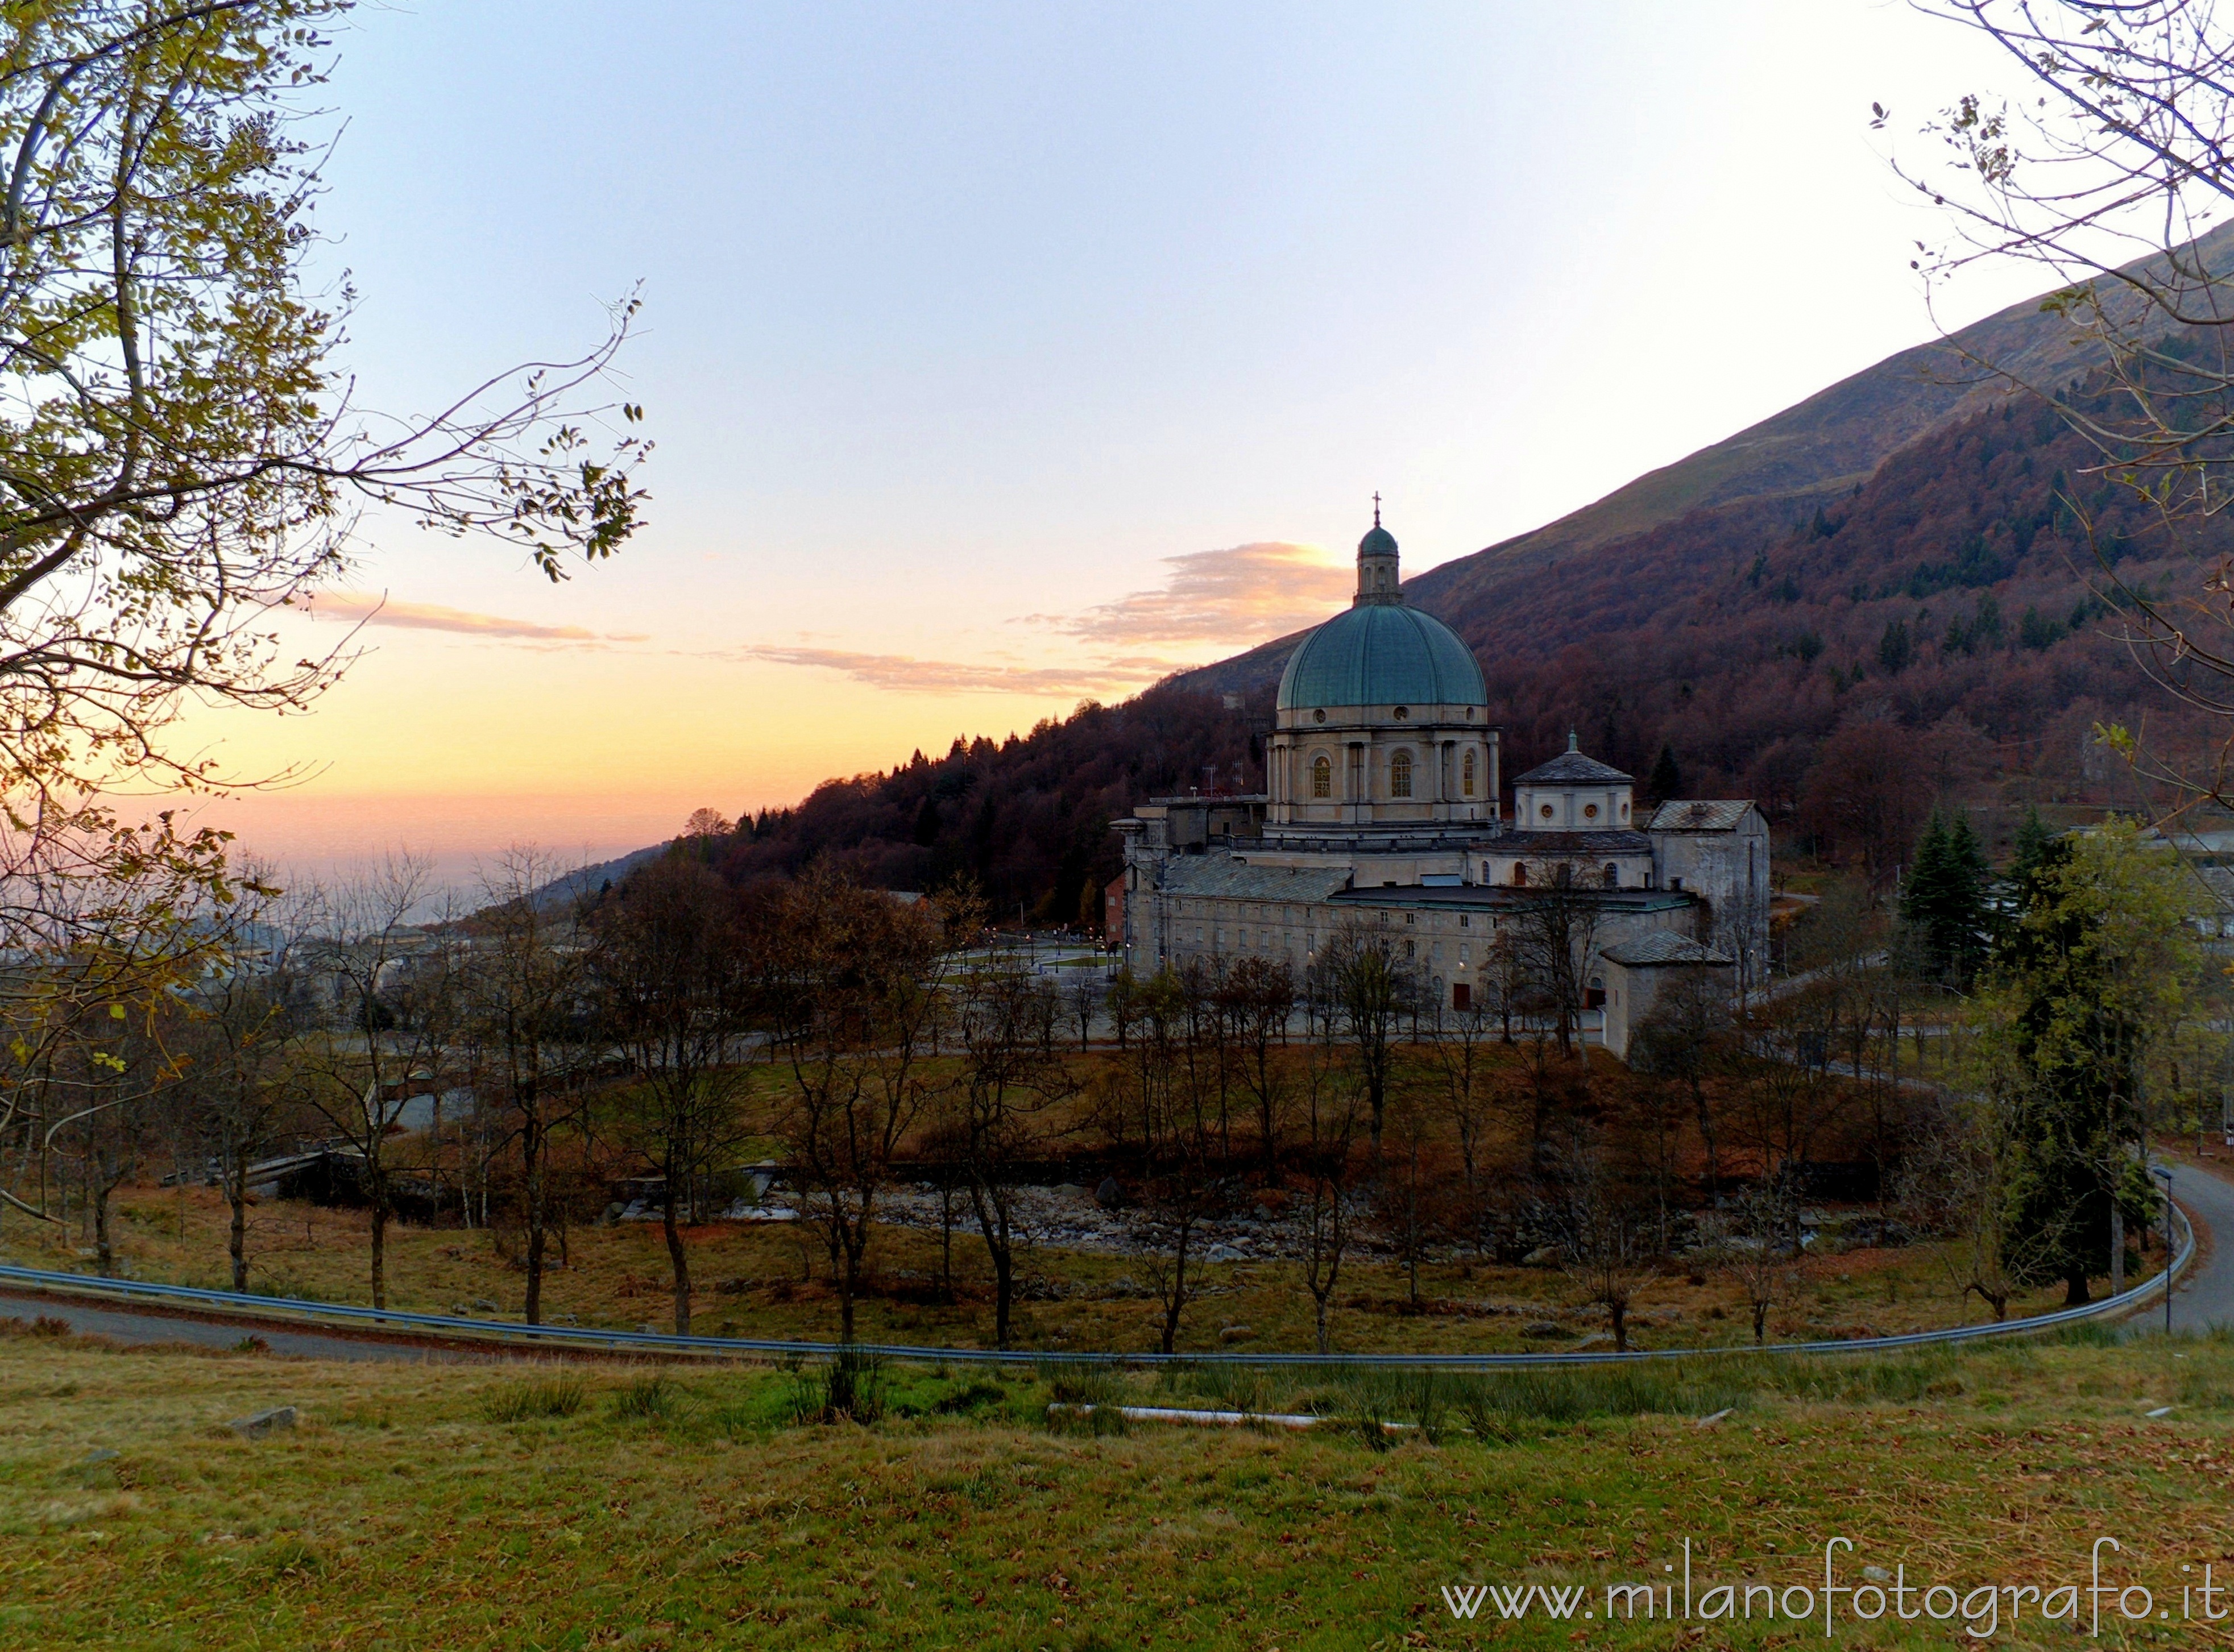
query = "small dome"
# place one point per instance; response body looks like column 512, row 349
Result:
column 1381, row 655
column 1378, row 542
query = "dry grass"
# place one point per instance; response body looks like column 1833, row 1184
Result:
column 402, row 1513
column 764, row 1281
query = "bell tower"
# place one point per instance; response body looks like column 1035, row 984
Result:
column 1376, row 566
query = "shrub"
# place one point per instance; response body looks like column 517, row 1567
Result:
column 849, row 1388
column 561, row 1394
column 649, row 1398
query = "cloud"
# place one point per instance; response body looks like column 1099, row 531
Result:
column 434, row 617
column 909, row 674
column 1212, row 604
column 1231, row 599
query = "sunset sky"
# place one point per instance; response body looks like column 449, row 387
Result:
column 1001, row 358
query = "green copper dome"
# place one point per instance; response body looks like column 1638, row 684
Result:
column 1381, row 655
column 1378, row 542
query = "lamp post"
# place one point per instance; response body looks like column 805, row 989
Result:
column 2164, row 1174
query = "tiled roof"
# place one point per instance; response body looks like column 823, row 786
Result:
column 1663, row 946
column 1496, row 896
column 1544, row 844
column 1230, row 877
column 1699, row 814
column 1572, row 768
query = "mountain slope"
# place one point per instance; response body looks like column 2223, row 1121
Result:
column 1777, row 471
column 1876, row 599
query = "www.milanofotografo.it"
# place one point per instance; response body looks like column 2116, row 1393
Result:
column 1849, row 1593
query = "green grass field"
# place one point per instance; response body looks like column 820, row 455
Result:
column 488, row 1506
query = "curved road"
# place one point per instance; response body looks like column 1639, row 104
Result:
column 2205, row 1298
column 146, row 1325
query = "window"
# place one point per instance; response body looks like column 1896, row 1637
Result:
column 1464, row 921
column 1321, row 778
column 1547, row 810
column 1411, row 917
column 1400, row 775
column 1589, row 811
column 1466, row 774
column 1410, row 948
column 1612, row 876
column 1521, row 874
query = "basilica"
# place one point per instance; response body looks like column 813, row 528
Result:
column 1383, row 807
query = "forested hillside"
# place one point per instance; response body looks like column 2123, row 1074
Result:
column 1932, row 630
column 1029, row 818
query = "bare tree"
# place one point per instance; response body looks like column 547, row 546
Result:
column 1956, row 1170
column 1123, row 1000
column 858, row 973
column 1403, row 1193
column 1259, row 1000
column 1789, row 1095
column 1554, row 931
column 245, row 1016
column 1602, row 1243
column 526, row 988
column 1330, row 1118
column 1762, row 1260
column 1688, row 1036
column 1461, row 1063
column 668, row 961
column 358, row 1063
column 1083, row 996
column 1010, row 1078
column 1371, row 989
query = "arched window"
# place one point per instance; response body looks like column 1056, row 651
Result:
column 1521, row 874
column 1612, row 876
column 1322, row 777
column 1400, row 775
column 1466, row 774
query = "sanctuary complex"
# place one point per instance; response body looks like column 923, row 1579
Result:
column 1383, row 809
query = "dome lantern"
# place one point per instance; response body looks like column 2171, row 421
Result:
column 1376, row 564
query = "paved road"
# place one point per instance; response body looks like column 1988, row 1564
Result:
column 2206, row 1297
column 137, row 1325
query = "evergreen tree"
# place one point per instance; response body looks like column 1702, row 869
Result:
column 1943, row 902
column 1666, row 780
column 2094, row 968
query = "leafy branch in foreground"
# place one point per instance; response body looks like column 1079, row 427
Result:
column 181, row 456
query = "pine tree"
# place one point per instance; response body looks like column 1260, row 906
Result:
column 1971, row 911
column 2095, row 966
column 1921, row 892
column 1944, row 903
column 1666, row 780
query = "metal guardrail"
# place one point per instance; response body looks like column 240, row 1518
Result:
column 296, row 1313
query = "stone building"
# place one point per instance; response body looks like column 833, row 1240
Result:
column 1382, row 808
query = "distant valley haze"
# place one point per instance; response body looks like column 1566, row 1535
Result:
column 1001, row 359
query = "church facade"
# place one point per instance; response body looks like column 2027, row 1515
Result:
column 1383, row 808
